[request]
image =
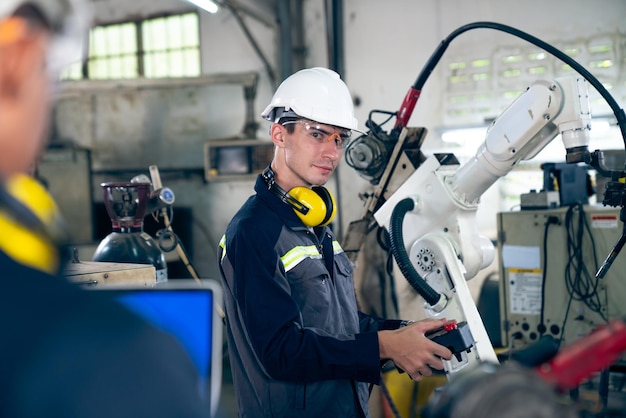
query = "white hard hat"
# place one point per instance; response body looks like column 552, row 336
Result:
column 317, row 94
column 68, row 20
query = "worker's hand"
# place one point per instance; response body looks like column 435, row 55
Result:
column 411, row 350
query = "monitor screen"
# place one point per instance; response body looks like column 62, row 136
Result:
column 233, row 160
column 187, row 310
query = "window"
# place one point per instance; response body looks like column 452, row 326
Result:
column 113, row 52
column 171, row 46
column 154, row 48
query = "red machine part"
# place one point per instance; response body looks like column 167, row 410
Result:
column 406, row 109
column 578, row 361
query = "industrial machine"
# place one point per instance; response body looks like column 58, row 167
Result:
column 548, row 263
column 428, row 204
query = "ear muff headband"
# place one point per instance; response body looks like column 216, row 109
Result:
column 314, row 207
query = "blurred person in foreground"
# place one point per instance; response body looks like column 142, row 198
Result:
column 64, row 351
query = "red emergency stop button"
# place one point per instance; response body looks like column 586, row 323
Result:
column 450, row 326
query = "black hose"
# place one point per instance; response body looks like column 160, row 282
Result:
column 401, row 256
column 619, row 113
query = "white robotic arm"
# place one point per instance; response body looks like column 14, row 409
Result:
column 439, row 232
column 534, row 119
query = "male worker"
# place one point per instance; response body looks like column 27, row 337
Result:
column 298, row 345
column 64, row 351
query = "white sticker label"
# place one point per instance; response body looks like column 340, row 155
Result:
column 525, row 291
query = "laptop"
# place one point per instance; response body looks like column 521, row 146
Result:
column 189, row 311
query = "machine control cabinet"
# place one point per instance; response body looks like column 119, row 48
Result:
column 545, row 289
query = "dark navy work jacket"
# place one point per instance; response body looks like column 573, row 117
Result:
column 298, row 345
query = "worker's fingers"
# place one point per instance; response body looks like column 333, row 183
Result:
column 436, row 363
column 429, row 324
column 421, row 373
column 441, row 351
column 416, row 376
column 426, row 371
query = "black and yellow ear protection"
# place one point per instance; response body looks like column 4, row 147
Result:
column 31, row 228
column 315, row 206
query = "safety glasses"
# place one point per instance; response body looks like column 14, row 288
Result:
column 322, row 133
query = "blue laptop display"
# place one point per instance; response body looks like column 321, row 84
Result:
column 188, row 311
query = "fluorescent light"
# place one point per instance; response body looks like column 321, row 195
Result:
column 207, row 5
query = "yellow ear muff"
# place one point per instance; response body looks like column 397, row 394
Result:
column 329, row 200
column 28, row 221
column 315, row 206
column 320, row 203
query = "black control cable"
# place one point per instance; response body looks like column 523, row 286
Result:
column 581, row 284
column 407, row 107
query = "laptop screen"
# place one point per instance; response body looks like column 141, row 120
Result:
column 187, row 310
